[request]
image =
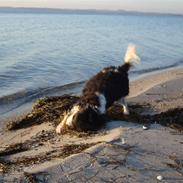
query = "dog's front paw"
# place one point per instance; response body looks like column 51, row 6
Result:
column 126, row 112
column 59, row 129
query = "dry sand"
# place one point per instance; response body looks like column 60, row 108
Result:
column 121, row 152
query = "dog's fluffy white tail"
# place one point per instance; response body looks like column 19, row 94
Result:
column 131, row 56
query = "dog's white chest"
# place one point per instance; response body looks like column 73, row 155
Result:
column 71, row 115
column 102, row 101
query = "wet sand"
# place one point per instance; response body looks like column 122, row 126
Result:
column 122, row 151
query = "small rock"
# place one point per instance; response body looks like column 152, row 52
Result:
column 164, row 86
column 123, row 141
column 145, row 128
column 1, row 170
column 57, row 140
column 159, row 177
column 30, row 115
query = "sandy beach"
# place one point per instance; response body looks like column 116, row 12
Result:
column 144, row 147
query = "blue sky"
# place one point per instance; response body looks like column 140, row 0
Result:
column 166, row 6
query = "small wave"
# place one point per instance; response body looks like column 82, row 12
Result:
column 144, row 71
column 15, row 100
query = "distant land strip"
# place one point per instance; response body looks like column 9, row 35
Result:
column 77, row 11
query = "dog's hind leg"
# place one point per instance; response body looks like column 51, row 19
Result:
column 125, row 107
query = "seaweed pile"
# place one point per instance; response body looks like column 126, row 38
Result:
column 64, row 151
column 48, row 109
column 51, row 110
column 172, row 118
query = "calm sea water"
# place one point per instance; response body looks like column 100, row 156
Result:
column 48, row 54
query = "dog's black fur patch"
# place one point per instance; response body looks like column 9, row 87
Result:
column 112, row 82
column 88, row 120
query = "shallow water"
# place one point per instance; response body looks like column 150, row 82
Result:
column 51, row 54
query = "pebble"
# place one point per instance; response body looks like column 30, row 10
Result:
column 30, row 115
column 145, row 127
column 57, row 140
column 159, row 177
column 123, row 141
column 164, row 86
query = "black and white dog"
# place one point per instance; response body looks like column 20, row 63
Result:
column 100, row 92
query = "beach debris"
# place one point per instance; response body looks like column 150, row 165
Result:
column 159, row 177
column 14, row 149
column 1, row 168
column 64, row 151
column 145, row 127
column 51, row 109
column 171, row 118
column 30, row 178
column 177, row 165
column 48, row 109
column 123, row 141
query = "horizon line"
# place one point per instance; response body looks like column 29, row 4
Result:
column 92, row 9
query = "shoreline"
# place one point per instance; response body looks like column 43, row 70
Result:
column 148, row 81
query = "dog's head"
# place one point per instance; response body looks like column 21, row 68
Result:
column 87, row 118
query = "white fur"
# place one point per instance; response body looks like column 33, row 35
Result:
column 125, row 107
column 74, row 110
column 102, row 101
column 62, row 124
column 131, row 56
column 67, row 119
